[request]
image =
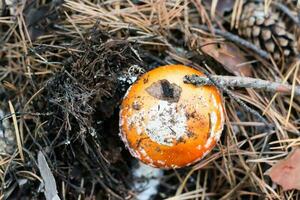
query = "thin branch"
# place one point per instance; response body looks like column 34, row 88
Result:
column 246, row 82
column 288, row 12
column 236, row 39
column 234, row 97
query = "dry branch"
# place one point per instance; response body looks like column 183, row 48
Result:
column 288, row 12
column 236, row 39
column 235, row 81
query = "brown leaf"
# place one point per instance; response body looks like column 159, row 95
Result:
column 287, row 172
column 229, row 55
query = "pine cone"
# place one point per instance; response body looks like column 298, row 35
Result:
column 267, row 31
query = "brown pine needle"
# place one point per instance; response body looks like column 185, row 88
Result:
column 18, row 137
column 160, row 32
column 294, row 92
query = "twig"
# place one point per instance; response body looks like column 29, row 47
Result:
column 236, row 39
column 236, row 81
column 233, row 96
column 288, row 12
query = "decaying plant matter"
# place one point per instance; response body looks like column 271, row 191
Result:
column 65, row 66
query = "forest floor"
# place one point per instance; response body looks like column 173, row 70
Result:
column 65, row 66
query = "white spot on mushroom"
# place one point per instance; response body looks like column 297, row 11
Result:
column 134, row 153
column 219, row 132
column 127, row 92
column 124, row 139
column 146, row 157
column 213, row 121
column 214, row 101
column 137, row 121
column 174, row 166
column 199, row 147
column 165, row 123
column 161, row 162
column 208, row 142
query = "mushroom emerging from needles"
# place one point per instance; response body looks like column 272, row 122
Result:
column 166, row 123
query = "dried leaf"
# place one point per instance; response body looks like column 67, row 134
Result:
column 48, row 178
column 287, row 172
column 229, row 55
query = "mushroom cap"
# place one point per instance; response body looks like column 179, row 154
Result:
column 166, row 123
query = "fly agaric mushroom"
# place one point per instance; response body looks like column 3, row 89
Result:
column 169, row 124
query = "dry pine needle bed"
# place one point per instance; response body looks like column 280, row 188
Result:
column 65, row 67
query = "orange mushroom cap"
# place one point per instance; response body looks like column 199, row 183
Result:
column 169, row 124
